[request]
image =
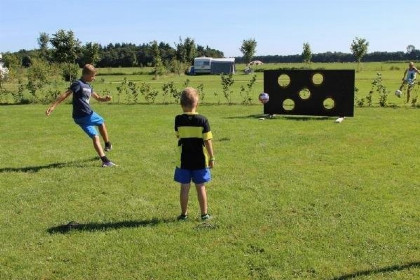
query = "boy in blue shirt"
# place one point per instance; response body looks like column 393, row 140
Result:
column 196, row 152
column 83, row 115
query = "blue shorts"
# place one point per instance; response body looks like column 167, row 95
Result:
column 410, row 82
column 88, row 124
column 184, row 176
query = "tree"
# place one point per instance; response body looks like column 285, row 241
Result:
column 359, row 48
column 43, row 41
column 157, row 60
column 248, row 49
column 190, row 49
column 186, row 51
column 209, row 52
column 91, row 53
column 410, row 49
column 66, row 47
column 12, row 60
column 306, row 53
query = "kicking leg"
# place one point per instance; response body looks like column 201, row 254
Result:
column 97, row 145
column 104, row 134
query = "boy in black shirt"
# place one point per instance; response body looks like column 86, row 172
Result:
column 196, row 152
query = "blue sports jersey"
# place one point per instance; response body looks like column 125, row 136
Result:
column 81, row 97
column 411, row 75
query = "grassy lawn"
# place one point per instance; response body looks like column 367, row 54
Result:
column 292, row 197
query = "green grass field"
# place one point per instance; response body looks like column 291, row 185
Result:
column 292, row 197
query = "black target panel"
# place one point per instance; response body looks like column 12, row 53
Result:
column 310, row 92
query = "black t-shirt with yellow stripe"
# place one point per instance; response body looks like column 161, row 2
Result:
column 192, row 129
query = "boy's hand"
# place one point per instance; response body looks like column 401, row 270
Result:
column 107, row 98
column 211, row 163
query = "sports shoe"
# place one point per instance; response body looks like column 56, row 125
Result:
column 205, row 217
column 108, row 146
column 108, row 164
column 182, row 217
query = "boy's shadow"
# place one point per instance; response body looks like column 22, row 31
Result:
column 33, row 169
column 91, row 227
column 389, row 269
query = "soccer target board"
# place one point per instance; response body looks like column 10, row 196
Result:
column 310, row 92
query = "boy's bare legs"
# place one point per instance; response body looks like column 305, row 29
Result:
column 97, row 145
column 183, row 198
column 402, row 86
column 202, row 197
column 104, row 132
column 408, row 93
column 98, row 148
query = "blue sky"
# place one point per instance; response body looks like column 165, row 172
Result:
column 280, row 27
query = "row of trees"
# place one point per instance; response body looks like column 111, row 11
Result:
column 358, row 47
column 64, row 47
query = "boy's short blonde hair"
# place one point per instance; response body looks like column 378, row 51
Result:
column 189, row 98
column 88, row 69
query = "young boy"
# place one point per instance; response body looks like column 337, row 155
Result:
column 83, row 115
column 409, row 79
column 196, row 152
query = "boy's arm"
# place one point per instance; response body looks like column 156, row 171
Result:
column 101, row 98
column 209, row 148
column 59, row 99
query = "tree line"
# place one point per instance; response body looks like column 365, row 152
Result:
column 63, row 47
column 339, row 57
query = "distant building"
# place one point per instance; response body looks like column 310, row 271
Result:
column 209, row 65
column 3, row 70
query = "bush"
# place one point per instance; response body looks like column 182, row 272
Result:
column 69, row 71
column 227, row 82
column 38, row 77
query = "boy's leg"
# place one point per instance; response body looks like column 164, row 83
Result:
column 98, row 148
column 97, row 145
column 403, row 85
column 409, row 92
column 183, row 198
column 104, row 132
column 202, row 198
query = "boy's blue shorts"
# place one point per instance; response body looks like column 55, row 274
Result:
column 88, row 124
column 199, row 176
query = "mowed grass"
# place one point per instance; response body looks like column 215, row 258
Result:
column 291, row 197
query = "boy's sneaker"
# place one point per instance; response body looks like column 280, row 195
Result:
column 205, row 217
column 108, row 164
column 182, row 217
column 108, row 146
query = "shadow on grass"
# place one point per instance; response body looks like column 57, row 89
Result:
column 379, row 270
column 287, row 117
column 33, row 169
column 92, row 227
